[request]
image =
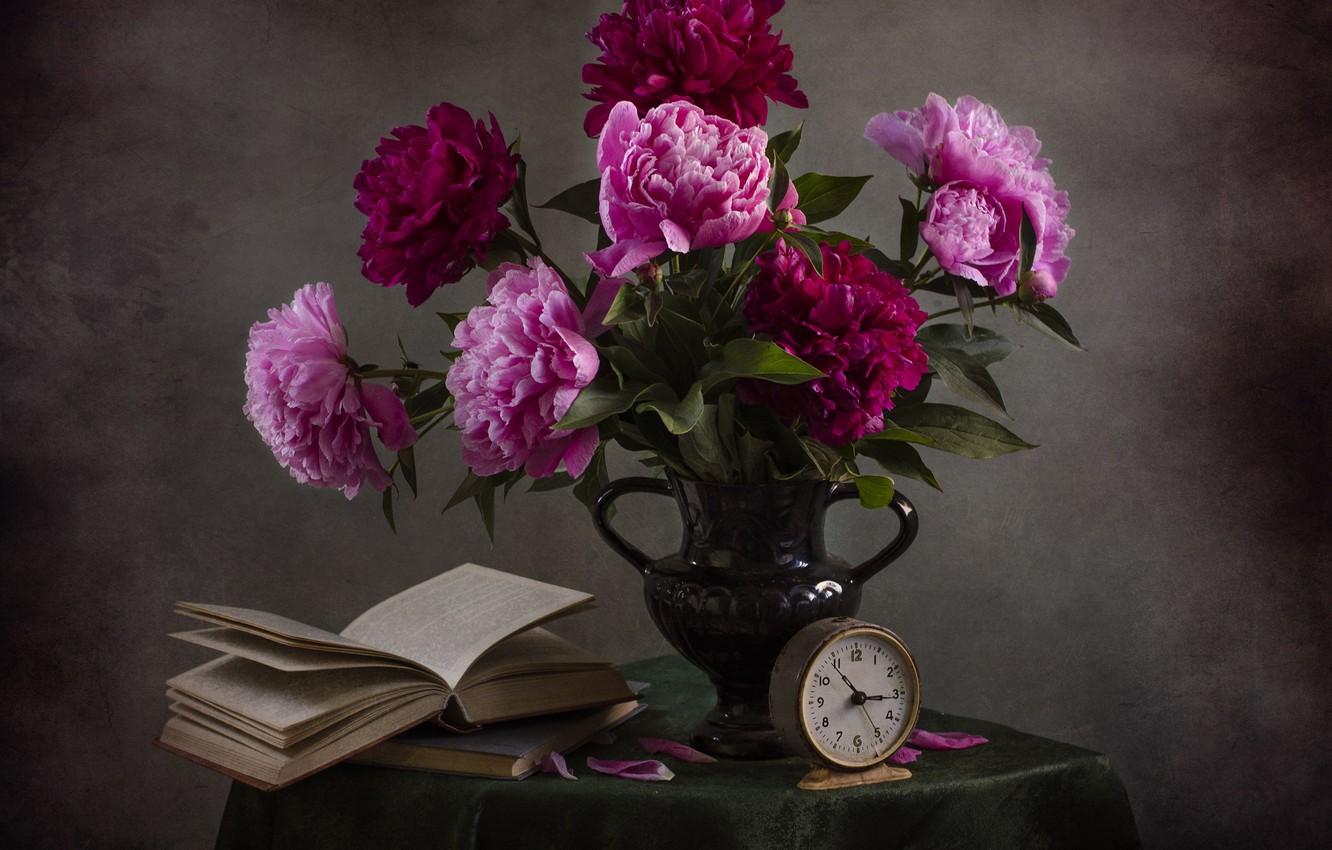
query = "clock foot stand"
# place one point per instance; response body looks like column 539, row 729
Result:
column 824, row 779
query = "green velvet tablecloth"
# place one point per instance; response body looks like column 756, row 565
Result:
column 1017, row 791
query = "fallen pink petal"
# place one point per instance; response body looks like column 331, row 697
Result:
column 645, row 770
column 945, row 740
column 675, row 749
column 553, row 762
column 905, row 755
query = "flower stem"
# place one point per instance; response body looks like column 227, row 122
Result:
column 993, row 302
column 738, row 274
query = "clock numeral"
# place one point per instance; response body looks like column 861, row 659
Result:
column 892, row 668
column 839, row 737
column 820, row 704
column 896, row 693
column 855, row 742
column 888, row 717
column 822, row 680
column 855, row 655
column 824, row 724
column 837, row 664
column 878, row 733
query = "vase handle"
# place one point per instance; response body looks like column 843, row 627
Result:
column 600, row 518
column 908, row 525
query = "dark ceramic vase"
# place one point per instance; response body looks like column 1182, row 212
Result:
column 751, row 572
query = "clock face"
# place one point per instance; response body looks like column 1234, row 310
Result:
column 860, row 698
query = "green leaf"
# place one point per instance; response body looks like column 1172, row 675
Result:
column 557, row 481
column 519, row 203
column 807, row 246
column 581, row 200
column 600, row 400
column 431, row 398
column 784, row 145
column 627, row 306
column 781, row 181
column 679, row 416
column 823, row 196
column 1028, row 236
column 387, row 504
column 891, row 433
column 836, row 237
column 652, row 304
column 452, row 319
column 875, row 491
column 909, row 239
column 960, row 431
column 485, row 503
column 407, row 463
column 899, row 459
column 963, row 295
column 1050, row 322
column 755, row 358
column 469, row 486
column 593, row 479
column 983, row 345
column 701, row 447
column 966, row 376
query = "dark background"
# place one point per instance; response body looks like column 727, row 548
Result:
column 1152, row 582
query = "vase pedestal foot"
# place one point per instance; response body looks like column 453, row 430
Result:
column 739, row 728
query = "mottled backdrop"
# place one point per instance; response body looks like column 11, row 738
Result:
column 1152, row 582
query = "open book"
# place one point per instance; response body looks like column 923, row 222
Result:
column 288, row 699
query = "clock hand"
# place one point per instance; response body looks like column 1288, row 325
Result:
column 854, row 689
column 873, row 726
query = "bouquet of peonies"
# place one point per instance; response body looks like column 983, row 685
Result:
column 723, row 330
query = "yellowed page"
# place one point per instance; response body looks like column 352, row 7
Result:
column 446, row 623
column 535, row 650
column 292, row 659
column 283, row 701
column 272, row 626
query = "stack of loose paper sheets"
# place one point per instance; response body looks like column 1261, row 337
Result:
column 287, row 699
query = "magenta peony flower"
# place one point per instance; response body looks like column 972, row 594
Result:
column 524, row 360
column 719, row 54
column 432, row 196
column 304, row 403
column 677, row 179
column 856, row 324
column 986, row 173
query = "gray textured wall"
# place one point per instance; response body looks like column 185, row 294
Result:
column 1152, row 582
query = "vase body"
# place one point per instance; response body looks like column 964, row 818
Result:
column 752, row 570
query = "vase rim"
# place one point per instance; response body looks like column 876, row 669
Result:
column 793, row 482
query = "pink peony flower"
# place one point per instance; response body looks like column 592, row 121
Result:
column 524, row 360
column 719, row 54
column 677, row 179
column 432, row 197
column 855, row 323
column 986, row 173
column 304, row 402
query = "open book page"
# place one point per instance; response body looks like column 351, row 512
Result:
column 535, row 650
column 292, row 659
column 272, row 626
column 282, row 701
column 446, row 623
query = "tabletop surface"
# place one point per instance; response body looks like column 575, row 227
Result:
column 1019, row 790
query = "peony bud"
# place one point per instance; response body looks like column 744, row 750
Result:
column 1038, row 285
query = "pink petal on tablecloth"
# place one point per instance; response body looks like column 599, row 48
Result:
column 675, row 749
column 554, row 762
column 905, row 755
column 646, row 770
column 945, row 740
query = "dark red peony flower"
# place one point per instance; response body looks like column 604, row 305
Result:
column 856, row 324
column 432, row 196
column 719, row 54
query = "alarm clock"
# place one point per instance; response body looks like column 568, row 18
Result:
column 845, row 693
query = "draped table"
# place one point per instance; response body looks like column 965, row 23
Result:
column 1017, row 791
